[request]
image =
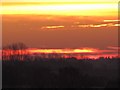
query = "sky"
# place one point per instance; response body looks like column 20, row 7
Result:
column 60, row 0
column 61, row 23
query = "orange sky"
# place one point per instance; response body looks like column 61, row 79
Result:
column 61, row 23
column 50, row 31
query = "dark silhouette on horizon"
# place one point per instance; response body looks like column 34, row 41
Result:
column 26, row 72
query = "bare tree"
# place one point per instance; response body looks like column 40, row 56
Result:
column 15, row 51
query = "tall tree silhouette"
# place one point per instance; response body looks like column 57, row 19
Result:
column 15, row 51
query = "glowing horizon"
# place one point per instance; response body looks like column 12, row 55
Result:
column 62, row 50
column 82, row 53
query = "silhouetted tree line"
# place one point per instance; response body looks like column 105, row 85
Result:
column 19, row 51
column 16, row 51
column 60, row 73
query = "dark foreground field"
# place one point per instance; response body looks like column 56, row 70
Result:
column 61, row 73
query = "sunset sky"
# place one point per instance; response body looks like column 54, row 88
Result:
column 61, row 23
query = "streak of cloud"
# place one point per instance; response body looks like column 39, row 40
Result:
column 113, row 47
column 99, row 25
column 111, row 20
column 51, row 27
column 68, row 50
column 62, row 50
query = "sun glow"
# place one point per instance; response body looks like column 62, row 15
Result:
column 60, row 9
column 62, row 51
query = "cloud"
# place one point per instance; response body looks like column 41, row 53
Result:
column 67, row 51
column 40, row 22
column 76, row 50
column 113, row 47
column 51, row 27
column 111, row 20
column 99, row 25
column 58, row 37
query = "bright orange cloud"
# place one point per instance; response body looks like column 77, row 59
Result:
column 51, row 27
column 100, row 25
column 111, row 20
column 62, row 51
